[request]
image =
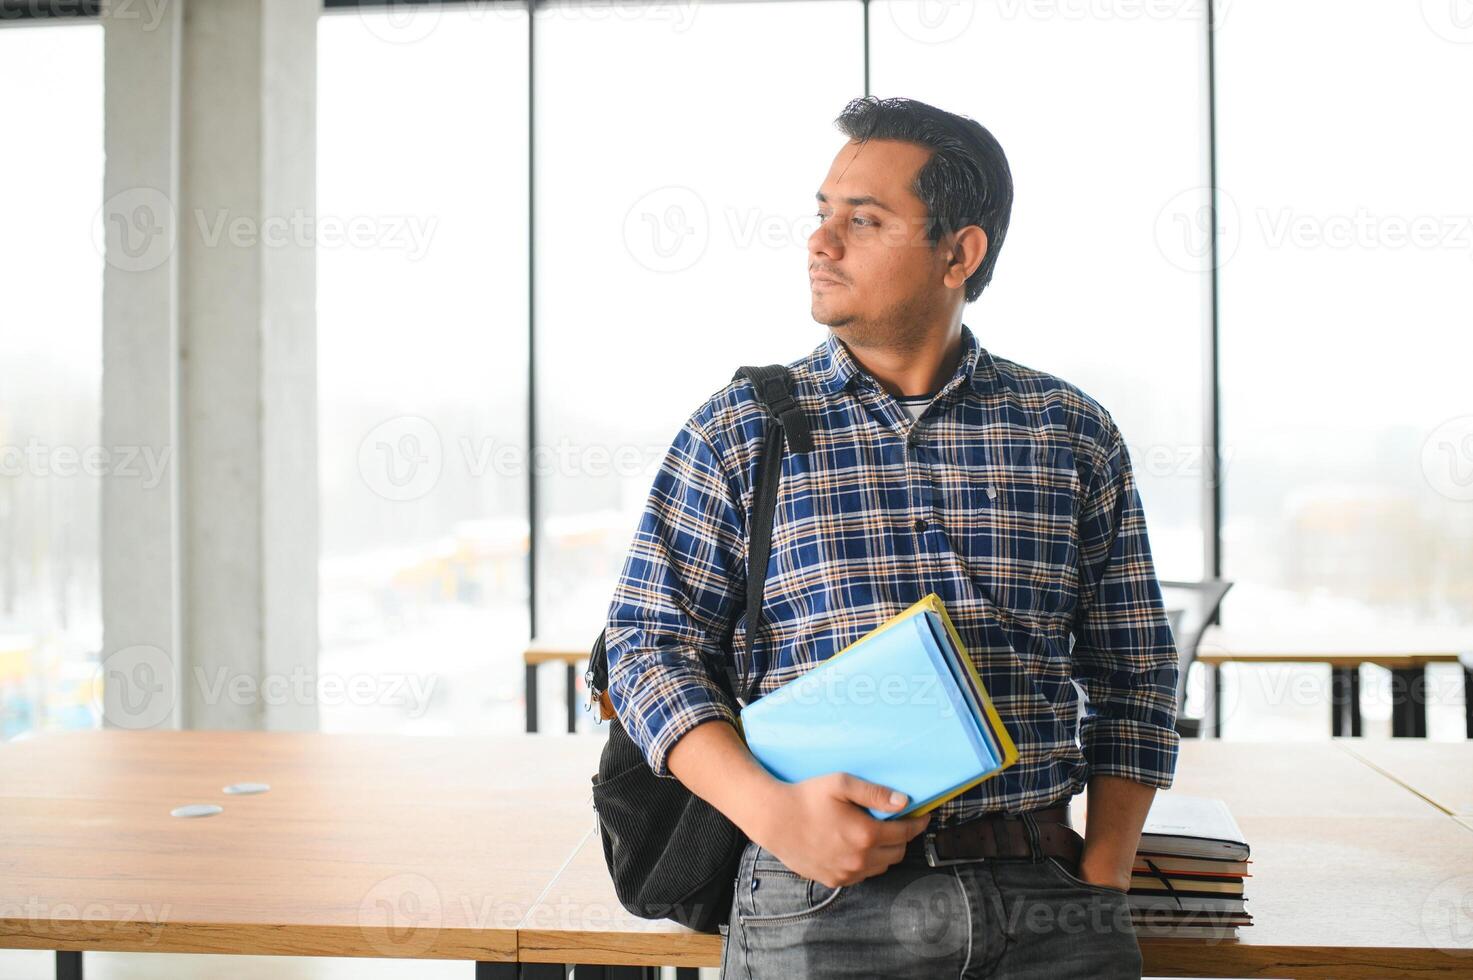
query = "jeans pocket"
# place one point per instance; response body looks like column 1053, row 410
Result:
column 1071, row 878
column 771, row 893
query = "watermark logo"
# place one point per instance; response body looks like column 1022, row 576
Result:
column 933, row 21
column 400, row 916
column 1447, row 458
column 668, row 229
column 1451, row 20
column 401, row 459
column 1185, row 229
column 135, row 229
column 929, row 916
column 136, row 687
column 1447, row 915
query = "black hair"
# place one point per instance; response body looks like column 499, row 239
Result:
column 965, row 182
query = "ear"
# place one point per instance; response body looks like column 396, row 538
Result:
column 967, row 250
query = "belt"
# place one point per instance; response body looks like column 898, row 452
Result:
column 1044, row 832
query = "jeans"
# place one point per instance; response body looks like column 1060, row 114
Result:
column 1010, row 918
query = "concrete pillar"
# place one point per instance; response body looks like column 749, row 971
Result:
column 210, row 580
column 248, row 329
column 140, row 505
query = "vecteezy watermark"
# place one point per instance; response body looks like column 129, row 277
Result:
column 1186, row 227
column 1447, row 915
column 412, row 21
column 1451, row 20
column 1447, row 458
column 138, row 687
column 929, row 918
column 835, row 686
column 136, row 230
column 148, row 464
column 668, row 229
column 403, row 458
column 151, row 12
column 939, row 21
column 400, row 916
column 365, row 689
column 409, row 233
column 1179, row 460
column 1364, row 229
column 91, row 920
column 1186, row 232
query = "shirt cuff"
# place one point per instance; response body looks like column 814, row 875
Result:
column 657, row 722
column 1130, row 749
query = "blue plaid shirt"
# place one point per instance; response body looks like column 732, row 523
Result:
column 1011, row 497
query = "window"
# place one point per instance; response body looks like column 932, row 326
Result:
column 51, row 461
column 673, row 212
column 1101, row 279
column 1346, row 298
column 422, row 361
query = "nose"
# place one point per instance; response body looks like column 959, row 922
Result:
column 825, row 242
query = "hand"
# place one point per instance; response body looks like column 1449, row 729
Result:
column 820, row 829
column 1102, row 871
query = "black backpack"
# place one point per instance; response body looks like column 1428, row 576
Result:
column 671, row 854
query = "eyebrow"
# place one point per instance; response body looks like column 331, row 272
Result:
column 858, row 201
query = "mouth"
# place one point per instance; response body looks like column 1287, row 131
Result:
column 818, row 282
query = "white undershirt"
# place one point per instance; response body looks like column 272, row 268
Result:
column 914, row 408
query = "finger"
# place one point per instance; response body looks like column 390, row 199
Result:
column 866, row 793
column 887, row 854
column 902, row 829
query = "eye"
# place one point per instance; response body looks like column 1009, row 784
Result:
column 857, row 220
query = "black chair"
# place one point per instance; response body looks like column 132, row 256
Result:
column 1192, row 607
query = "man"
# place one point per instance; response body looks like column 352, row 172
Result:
column 936, row 467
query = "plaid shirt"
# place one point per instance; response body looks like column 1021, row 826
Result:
column 1012, row 498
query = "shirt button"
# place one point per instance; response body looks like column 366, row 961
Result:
column 920, row 525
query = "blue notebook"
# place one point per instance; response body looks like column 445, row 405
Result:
column 903, row 706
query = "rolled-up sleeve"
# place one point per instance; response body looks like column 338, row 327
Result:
column 678, row 593
column 1123, row 654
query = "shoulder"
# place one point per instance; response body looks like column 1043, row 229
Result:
column 733, row 422
column 1065, row 409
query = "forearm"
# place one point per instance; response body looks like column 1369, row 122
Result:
column 1117, row 812
column 713, row 762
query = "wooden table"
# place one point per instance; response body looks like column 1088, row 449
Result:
column 1439, row 772
column 1405, row 654
column 364, row 845
column 549, row 651
column 485, row 849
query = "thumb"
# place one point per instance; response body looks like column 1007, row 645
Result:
column 866, row 793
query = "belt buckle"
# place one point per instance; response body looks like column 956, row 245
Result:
column 937, row 861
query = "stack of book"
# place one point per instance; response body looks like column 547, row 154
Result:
column 902, row 706
column 1189, row 870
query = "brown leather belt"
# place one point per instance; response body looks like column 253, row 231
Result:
column 1000, row 836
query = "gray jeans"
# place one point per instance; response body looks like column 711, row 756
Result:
column 1016, row 918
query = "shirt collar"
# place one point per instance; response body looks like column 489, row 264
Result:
column 834, row 366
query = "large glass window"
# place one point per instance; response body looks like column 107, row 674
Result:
column 673, row 204
column 422, row 360
column 1102, row 279
column 51, row 461
column 1347, row 325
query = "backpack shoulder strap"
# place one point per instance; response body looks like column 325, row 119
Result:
column 774, row 386
column 775, row 390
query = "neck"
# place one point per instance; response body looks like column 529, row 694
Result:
column 918, row 368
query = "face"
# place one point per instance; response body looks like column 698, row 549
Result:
column 875, row 279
